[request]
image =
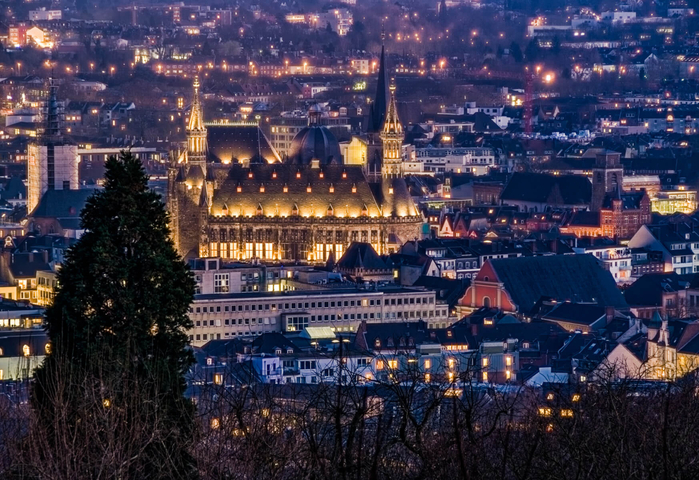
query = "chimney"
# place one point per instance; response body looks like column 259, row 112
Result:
column 610, row 314
column 45, row 255
column 474, row 329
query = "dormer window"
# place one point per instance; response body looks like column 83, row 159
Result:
column 344, row 174
column 321, row 175
column 332, row 189
column 377, row 343
column 289, row 350
column 285, row 189
column 249, row 174
column 354, row 188
column 262, row 189
column 298, row 174
column 239, row 189
column 309, row 189
column 274, row 174
column 277, row 351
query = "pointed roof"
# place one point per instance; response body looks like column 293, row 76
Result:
column 196, row 117
column 392, row 125
column 52, row 117
column 378, row 108
column 361, row 256
column 204, row 198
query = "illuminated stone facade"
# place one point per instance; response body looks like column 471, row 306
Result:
column 268, row 210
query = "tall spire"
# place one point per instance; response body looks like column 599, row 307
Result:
column 378, row 108
column 196, row 122
column 392, row 136
column 52, row 128
column 196, row 131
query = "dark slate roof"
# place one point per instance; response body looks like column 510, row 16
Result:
column 447, row 290
column 14, row 188
column 637, row 345
column 62, row 203
column 576, row 278
column 25, row 265
column 408, row 335
column 530, row 332
column 360, row 255
column 314, row 142
column 269, row 342
column 225, row 348
column 582, row 314
column 629, row 200
column 241, row 142
column 537, row 187
column 584, row 218
column 648, row 290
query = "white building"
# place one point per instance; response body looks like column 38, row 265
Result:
column 226, row 315
column 614, row 258
column 43, row 15
column 475, row 160
column 618, row 17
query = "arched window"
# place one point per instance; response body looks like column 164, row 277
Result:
column 486, row 302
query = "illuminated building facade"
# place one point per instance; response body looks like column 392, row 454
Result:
column 52, row 162
column 230, row 196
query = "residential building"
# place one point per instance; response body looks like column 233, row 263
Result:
column 517, row 285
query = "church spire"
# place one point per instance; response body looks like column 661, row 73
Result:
column 378, row 108
column 196, row 131
column 392, row 136
column 196, row 121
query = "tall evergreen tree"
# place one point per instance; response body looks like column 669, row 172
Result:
column 110, row 395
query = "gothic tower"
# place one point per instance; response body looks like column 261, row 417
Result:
column 196, row 132
column 607, row 176
column 392, row 137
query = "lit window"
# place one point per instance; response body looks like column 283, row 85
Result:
column 239, row 189
column 393, row 364
column 576, row 397
column 508, row 361
column 452, row 363
column 544, row 411
column 566, row 412
column 286, row 189
column 485, row 361
column 583, row 379
column 218, row 379
column 428, row 363
column 47, row 348
column 451, row 376
column 428, row 377
column 549, row 396
column 379, row 364
column 508, row 374
column 215, row 423
column 25, row 350
column 485, row 376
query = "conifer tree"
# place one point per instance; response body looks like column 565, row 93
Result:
column 109, row 397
